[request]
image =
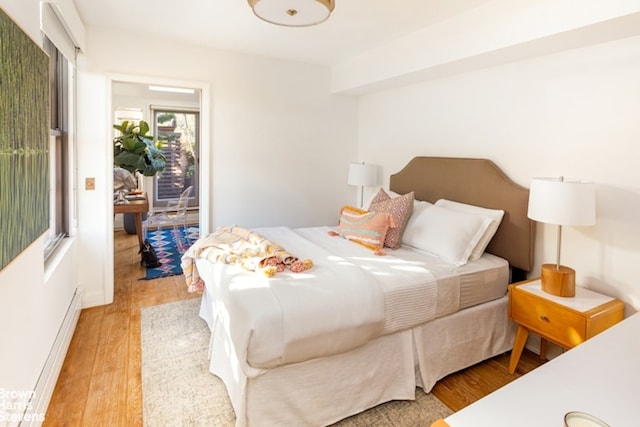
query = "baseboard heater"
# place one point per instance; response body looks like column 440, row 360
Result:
column 52, row 367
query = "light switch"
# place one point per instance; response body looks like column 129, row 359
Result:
column 89, row 183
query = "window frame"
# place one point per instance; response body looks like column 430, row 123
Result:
column 60, row 89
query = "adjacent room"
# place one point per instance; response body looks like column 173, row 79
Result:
column 319, row 212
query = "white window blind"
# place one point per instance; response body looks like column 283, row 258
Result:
column 65, row 30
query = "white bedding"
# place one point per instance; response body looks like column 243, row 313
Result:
column 324, row 390
column 347, row 299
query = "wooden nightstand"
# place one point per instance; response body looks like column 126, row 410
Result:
column 566, row 322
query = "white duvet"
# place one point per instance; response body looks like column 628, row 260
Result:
column 348, row 298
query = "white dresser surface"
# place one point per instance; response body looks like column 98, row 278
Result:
column 600, row 377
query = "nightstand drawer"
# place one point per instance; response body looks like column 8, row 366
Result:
column 565, row 327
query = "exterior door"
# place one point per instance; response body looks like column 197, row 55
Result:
column 178, row 133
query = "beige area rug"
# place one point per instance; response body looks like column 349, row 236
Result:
column 179, row 390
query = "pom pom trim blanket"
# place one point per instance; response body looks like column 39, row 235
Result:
column 242, row 247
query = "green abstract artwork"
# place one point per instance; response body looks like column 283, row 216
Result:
column 24, row 140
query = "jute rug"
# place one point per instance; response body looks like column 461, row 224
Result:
column 179, row 390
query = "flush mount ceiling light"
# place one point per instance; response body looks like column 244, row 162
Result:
column 293, row 13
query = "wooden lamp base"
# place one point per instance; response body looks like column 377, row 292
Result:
column 559, row 281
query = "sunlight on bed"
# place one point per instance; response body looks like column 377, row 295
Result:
column 389, row 265
column 255, row 280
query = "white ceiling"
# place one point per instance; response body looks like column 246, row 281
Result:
column 354, row 26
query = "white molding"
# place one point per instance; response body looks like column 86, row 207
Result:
column 52, row 367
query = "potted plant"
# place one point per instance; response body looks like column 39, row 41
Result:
column 135, row 151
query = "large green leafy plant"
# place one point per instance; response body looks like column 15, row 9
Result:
column 135, row 150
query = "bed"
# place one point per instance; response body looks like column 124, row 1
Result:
column 291, row 353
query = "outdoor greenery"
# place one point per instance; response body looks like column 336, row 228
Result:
column 185, row 126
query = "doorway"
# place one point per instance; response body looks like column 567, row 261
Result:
column 174, row 116
column 135, row 90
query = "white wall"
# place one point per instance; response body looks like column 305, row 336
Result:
column 34, row 297
column 573, row 114
column 280, row 143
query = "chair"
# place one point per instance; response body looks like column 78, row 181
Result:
column 174, row 214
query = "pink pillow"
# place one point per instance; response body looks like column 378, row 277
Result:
column 400, row 208
column 366, row 228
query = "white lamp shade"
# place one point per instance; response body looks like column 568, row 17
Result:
column 562, row 202
column 362, row 174
column 293, row 13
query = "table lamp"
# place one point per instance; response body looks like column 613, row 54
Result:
column 561, row 202
column 362, row 175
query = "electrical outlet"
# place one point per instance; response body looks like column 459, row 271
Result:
column 89, row 183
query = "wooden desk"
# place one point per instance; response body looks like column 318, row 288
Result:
column 137, row 207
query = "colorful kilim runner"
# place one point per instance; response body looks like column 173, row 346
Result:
column 170, row 245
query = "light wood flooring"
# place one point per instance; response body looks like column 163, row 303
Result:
column 100, row 383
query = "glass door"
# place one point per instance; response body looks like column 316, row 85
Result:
column 178, row 133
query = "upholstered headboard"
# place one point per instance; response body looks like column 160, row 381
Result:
column 477, row 182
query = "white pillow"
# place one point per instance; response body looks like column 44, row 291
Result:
column 413, row 223
column 495, row 215
column 445, row 233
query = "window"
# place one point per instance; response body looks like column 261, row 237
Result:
column 59, row 91
column 178, row 131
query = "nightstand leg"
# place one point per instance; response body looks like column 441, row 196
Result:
column 518, row 346
column 543, row 348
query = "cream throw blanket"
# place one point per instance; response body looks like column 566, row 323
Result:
column 239, row 246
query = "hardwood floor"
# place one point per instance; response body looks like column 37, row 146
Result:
column 462, row 388
column 100, row 381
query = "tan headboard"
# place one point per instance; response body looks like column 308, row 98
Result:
column 477, row 182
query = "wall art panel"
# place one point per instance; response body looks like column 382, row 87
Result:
column 24, row 139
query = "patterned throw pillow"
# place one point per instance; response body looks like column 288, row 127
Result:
column 400, row 209
column 366, row 228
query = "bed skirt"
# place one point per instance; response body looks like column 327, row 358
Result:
column 322, row 391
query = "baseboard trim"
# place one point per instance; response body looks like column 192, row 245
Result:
column 52, row 367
